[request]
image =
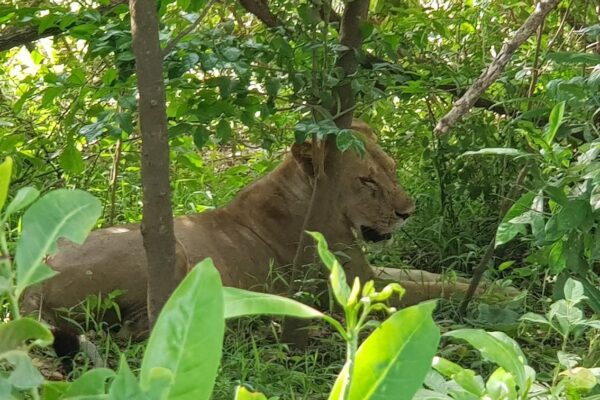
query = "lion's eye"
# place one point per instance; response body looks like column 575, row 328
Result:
column 368, row 181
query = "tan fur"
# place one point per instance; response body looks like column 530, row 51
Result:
column 260, row 226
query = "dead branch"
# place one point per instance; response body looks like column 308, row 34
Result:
column 493, row 71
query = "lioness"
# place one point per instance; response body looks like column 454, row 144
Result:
column 259, row 227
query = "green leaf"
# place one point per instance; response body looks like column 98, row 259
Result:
column 223, row 131
column 426, row 394
column 556, row 118
column 54, row 390
column 239, row 302
column 232, row 53
column 501, row 385
column 574, row 291
column 557, row 260
column 241, row 393
column 14, row 334
column 71, row 160
column 507, row 230
column 24, row 374
column 394, row 360
column 574, row 58
column 337, row 277
column 466, row 378
column 5, row 174
column 200, row 136
column 125, row 386
column 188, row 336
column 499, row 151
column 498, row 348
column 24, row 197
column 92, row 382
column 574, row 214
column 61, row 213
column 535, row 318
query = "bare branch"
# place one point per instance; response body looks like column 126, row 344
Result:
column 493, row 71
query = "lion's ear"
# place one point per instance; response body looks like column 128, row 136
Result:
column 303, row 154
column 363, row 128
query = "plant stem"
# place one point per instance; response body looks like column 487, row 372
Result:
column 6, row 272
column 351, row 347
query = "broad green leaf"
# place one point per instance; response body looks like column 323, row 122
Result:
column 24, row 374
column 498, row 348
column 241, row 393
column 161, row 380
column 125, row 386
column 556, row 118
column 223, row 131
column 579, row 378
column 14, row 334
column 593, row 294
column 557, row 260
column 394, row 360
column 445, row 367
column 200, row 136
column 71, row 160
column 535, row 318
column 239, row 302
column 24, row 197
column 188, row 336
column 231, row 53
column 61, row 213
column 557, row 194
column 466, row 378
column 500, row 151
column 5, row 174
column 501, row 385
column 54, row 390
column 507, row 230
column 574, row 291
column 92, row 382
column 574, row 214
column 426, row 394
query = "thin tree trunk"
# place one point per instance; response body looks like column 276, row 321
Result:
column 326, row 157
column 157, row 223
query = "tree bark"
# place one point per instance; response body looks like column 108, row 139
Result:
column 326, row 157
column 493, row 71
column 157, row 223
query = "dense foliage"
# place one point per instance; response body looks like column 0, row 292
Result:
column 246, row 81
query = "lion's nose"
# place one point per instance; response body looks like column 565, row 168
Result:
column 402, row 215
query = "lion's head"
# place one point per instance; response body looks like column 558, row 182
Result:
column 372, row 200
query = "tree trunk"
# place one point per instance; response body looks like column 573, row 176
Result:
column 157, row 223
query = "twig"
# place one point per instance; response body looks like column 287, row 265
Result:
column 173, row 42
column 114, row 175
column 483, row 263
column 493, row 71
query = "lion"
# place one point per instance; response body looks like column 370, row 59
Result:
column 258, row 228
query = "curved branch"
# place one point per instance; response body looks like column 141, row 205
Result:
column 493, row 71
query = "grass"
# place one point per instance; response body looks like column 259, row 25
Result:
column 253, row 355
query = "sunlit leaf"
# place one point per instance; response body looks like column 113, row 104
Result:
column 188, row 336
